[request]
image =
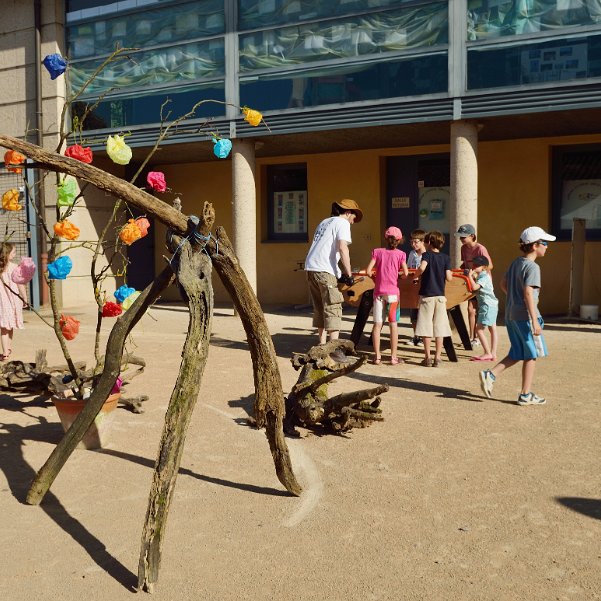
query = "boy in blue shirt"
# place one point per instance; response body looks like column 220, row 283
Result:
column 524, row 324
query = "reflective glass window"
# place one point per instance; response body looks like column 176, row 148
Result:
column 488, row 19
column 267, row 13
column 558, row 60
column 349, row 83
column 145, row 109
column 373, row 34
column 153, row 27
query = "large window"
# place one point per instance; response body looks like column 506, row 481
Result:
column 562, row 59
column 576, row 189
column 287, row 202
column 178, row 53
column 488, row 19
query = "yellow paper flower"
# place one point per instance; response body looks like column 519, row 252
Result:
column 253, row 117
column 118, row 150
column 66, row 229
column 129, row 301
column 10, row 200
column 130, row 232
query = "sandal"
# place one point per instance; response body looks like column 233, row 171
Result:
column 426, row 363
column 5, row 356
column 436, row 362
column 377, row 361
column 396, row 361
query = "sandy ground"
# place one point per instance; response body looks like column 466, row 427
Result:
column 453, row 496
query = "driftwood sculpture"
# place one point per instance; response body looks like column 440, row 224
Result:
column 201, row 249
column 308, row 402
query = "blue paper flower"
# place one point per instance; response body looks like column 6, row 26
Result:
column 222, row 147
column 123, row 292
column 60, row 269
column 55, row 64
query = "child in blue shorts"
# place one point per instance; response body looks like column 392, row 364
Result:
column 488, row 308
column 524, row 324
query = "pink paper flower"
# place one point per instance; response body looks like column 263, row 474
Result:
column 156, row 180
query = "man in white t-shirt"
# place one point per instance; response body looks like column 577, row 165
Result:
column 329, row 247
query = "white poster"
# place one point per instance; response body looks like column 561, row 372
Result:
column 290, row 212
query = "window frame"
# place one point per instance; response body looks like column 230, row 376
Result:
column 557, row 166
column 272, row 235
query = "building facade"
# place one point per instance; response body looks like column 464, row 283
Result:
column 429, row 113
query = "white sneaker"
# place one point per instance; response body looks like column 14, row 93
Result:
column 487, row 380
column 530, row 399
column 475, row 342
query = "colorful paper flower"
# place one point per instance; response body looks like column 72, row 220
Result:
column 66, row 229
column 156, row 180
column 122, row 293
column 23, row 272
column 118, row 150
column 60, row 269
column 79, row 153
column 67, row 191
column 143, row 224
column 55, row 64
column 10, row 200
column 110, row 309
column 117, row 386
column 130, row 232
column 251, row 116
column 222, row 147
column 69, row 326
column 12, row 158
column 129, row 301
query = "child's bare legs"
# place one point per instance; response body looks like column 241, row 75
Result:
column 394, row 338
column 6, row 336
column 472, row 310
column 500, row 367
column 376, row 338
column 427, row 347
column 481, row 333
column 324, row 335
column 493, row 340
column 438, row 347
column 528, row 375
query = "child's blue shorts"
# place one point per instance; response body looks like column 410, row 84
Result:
column 487, row 314
column 523, row 345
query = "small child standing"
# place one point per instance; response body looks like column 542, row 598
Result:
column 470, row 249
column 414, row 260
column 432, row 318
column 488, row 308
column 524, row 323
column 11, row 305
column 388, row 262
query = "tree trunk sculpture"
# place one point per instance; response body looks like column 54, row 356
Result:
column 308, row 402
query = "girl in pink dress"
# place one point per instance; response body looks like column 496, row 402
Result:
column 12, row 297
column 388, row 262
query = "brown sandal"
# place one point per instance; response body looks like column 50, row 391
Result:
column 426, row 363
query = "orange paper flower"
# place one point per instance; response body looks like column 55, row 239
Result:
column 143, row 224
column 66, row 229
column 130, row 232
column 251, row 116
column 11, row 158
column 10, row 200
column 69, row 326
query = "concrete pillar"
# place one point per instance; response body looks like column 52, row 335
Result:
column 244, row 207
column 464, row 182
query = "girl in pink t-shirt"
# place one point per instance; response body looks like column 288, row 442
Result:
column 387, row 262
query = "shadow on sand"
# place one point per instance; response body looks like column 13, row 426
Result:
column 588, row 507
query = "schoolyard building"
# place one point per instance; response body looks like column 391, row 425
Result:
column 428, row 113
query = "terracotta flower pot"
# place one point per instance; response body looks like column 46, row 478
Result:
column 96, row 436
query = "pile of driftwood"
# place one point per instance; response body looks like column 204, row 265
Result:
column 41, row 378
column 308, row 402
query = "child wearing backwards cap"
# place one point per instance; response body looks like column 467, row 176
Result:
column 524, row 324
column 388, row 262
column 488, row 307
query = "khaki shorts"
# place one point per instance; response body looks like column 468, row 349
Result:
column 432, row 318
column 326, row 299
